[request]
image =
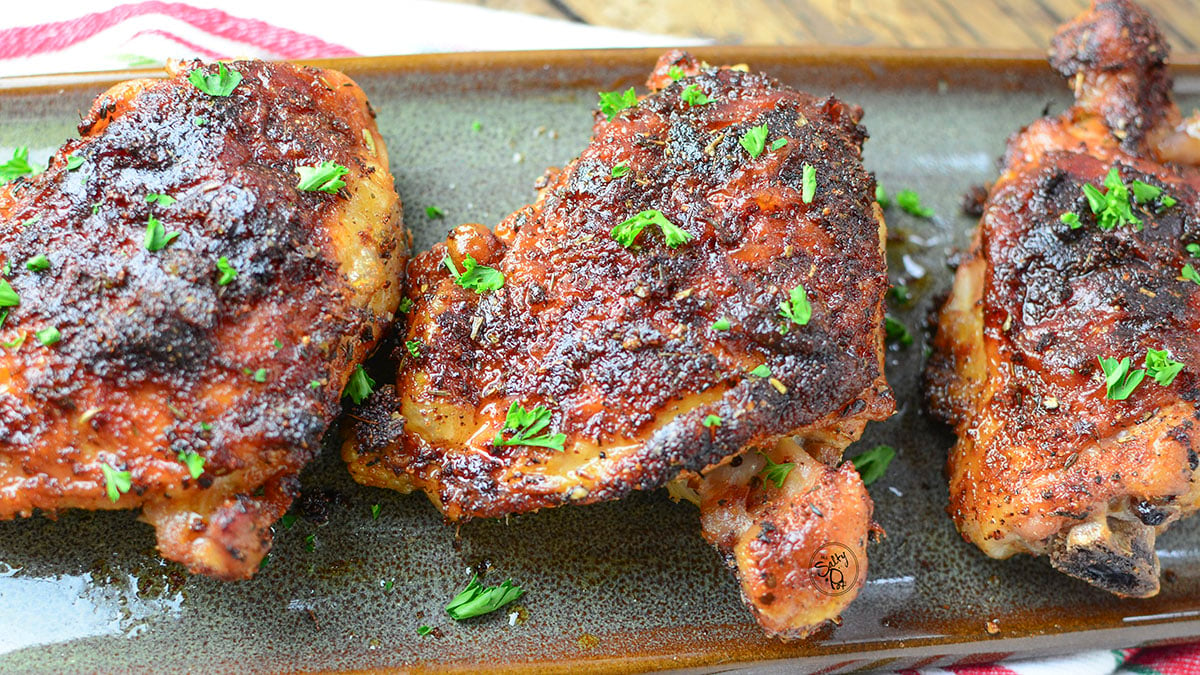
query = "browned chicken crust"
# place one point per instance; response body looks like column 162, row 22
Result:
column 1045, row 462
column 619, row 343
column 158, row 359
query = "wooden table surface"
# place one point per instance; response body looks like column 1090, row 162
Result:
column 1015, row 24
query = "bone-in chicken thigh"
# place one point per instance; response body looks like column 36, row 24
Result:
column 1068, row 355
column 705, row 277
column 180, row 317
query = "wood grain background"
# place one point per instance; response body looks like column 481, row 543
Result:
column 1017, row 24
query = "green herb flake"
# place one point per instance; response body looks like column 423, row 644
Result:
column 1112, row 208
column 375, row 511
column 359, row 386
column 675, row 73
column 157, row 236
column 694, row 95
column 15, row 343
column 712, row 421
column 809, row 187
column 277, row 343
column 193, row 461
column 260, row 375
column 314, row 385
column 872, row 464
column 405, row 305
column 96, row 207
column 796, row 308
column 310, row 542
column 1151, row 195
column 414, row 348
column 287, row 520
column 424, row 630
column 881, row 196
column 476, row 126
column 48, row 336
column 434, row 212
column 226, row 272
column 525, row 425
column 1161, row 367
column 160, row 199
column 900, row 293
column 613, row 102
column 755, row 140
column 476, row 599
column 628, row 231
column 116, row 483
column 205, row 426
column 1119, row 380
column 475, row 277
column 779, row 143
column 324, row 177
column 74, row 162
column 896, row 332
column 199, row 121
column 721, row 324
column 1193, row 249
column 17, row 166
column 221, row 83
column 620, row 170
column 8, row 297
column 775, row 473
column 1188, row 272
column 910, row 202
column 1071, row 219
column 38, row 263
column 762, row 370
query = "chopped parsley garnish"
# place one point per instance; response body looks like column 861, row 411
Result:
column 160, row 199
column 1119, row 380
column 675, row 73
column 48, row 336
column 475, row 277
column 193, row 461
column 1112, row 208
column 809, row 188
column 476, row 126
column 32, row 220
column 1161, row 367
column 227, row 272
column 414, row 348
column 157, row 236
column 476, row 599
column 779, row 143
column 38, row 263
column 796, row 308
column 525, row 424
column 314, row 385
column 613, row 102
column 74, row 162
column 434, row 212
column 221, row 83
column 260, row 375
column 755, row 140
column 628, row 231
column 116, row 482
column 1193, row 249
column 424, row 630
column 721, row 324
column 199, row 121
column 1071, row 219
column 96, row 207
column 712, row 421
column 896, row 332
column 776, row 473
column 694, row 95
column 324, row 177
column 405, row 305
column 287, row 520
column 1147, row 194
column 872, row 464
column 1188, row 272
column 8, row 297
column 375, row 511
column 277, row 343
column 15, row 343
column 900, row 293
column 359, row 386
column 762, row 370
column 620, row 170
column 881, row 196
column 910, row 202
column 17, row 166
column 205, row 426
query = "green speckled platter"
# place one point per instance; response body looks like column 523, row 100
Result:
column 615, row 587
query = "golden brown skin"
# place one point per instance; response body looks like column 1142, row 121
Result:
column 155, row 355
column 1045, row 463
column 618, row 343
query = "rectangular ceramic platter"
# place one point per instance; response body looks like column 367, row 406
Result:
column 614, row 587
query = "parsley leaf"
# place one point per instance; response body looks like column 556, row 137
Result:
column 38, row 263
column 8, row 297
column 74, row 162
column 628, row 230
column 613, row 102
column 375, row 511
column 1193, row 249
column 910, row 202
column 476, row 600
column 157, row 236
column 872, row 464
column 620, row 170
column 424, row 630
column 193, row 461
column 1119, row 381
column 475, row 277
column 525, row 424
column 17, row 166
column 160, row 199
column 1161, row 367
column 809, row 188
column 16, row 342
column 228, row 273
column 779, row 143
column 712, row 421
column 1112, row 208
column 721, row 324
column 434, row 212
column 1147, row 194
column 48, row 336
column 1071, row 219
column 1188, row 272
column 694, row 95
column 324, row 177
column 221, row 83
column 116, row 482
column 414, row 348
column 900, row 293
column 260, row 375
column 894, row 331
column 405, row 305
column 776, row 473
column 761, row 370
column 881, row 196
column 675, row 73
column 755, row 140
column 796, row 308
column 359, row 386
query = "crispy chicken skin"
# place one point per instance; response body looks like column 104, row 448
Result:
column 618, row 343
column 1045, row 463
column 156, row 358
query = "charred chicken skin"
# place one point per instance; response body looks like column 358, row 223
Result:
column 181, row 318
column 1082, row 255
column 607, row 362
